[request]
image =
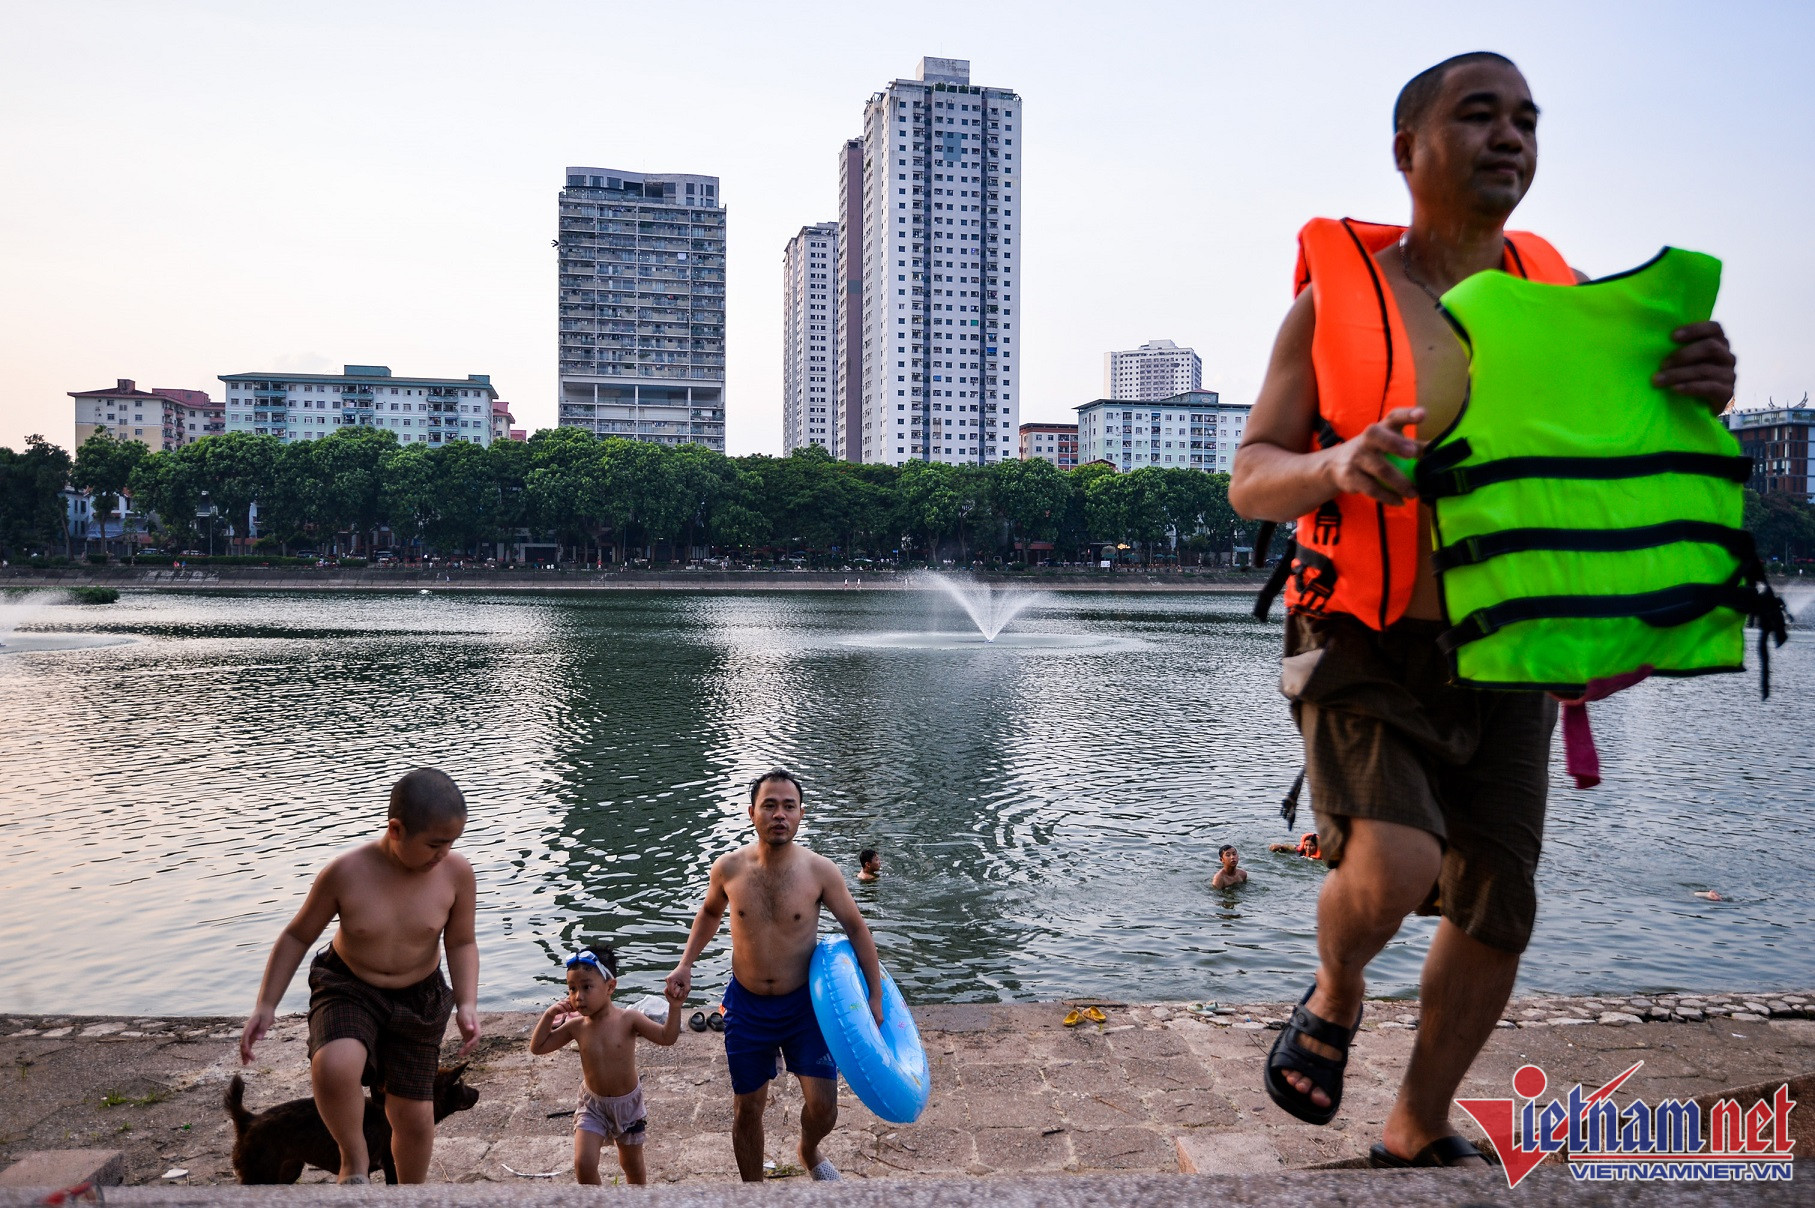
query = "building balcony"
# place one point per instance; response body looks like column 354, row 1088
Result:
column 269, row 392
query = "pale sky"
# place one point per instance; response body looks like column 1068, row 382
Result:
column 189, row 188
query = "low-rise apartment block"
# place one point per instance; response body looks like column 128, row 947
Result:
column 309, row 406
column 1057, row 443
column 164, row 418
column 1777, row 441
column 1194, row 430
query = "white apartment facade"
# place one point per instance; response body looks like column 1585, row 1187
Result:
column 1157, row 369
column 1193, row 430
column 809, row 364
column 642, row 306
column 309, row 406
column 939, row 248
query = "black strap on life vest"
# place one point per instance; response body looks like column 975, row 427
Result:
column 1282, row 570
column 1326, row 437
column 1288, row 805
column 1472, row 551
column 1440, row 477
column 1747, row 593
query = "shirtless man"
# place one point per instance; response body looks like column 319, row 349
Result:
column 376, row 994
column 774, row 890
column 1417, row 785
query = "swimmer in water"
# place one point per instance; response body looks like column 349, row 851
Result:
column 869, row 864
column 1228, row 876
column 1306, row 847
column 1710, row 895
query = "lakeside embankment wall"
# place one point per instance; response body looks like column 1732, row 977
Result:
column 258, row 578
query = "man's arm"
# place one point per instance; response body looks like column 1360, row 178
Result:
column 1277, row 474
column 462, row 944
column 837, row 897
column 705, row 925
column 318, row 908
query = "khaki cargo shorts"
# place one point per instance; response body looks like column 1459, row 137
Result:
column 1388, row 738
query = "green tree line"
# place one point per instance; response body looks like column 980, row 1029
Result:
column 618, row 500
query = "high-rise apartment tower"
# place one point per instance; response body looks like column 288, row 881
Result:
column 1157, row 369
column 809, row 366
column 642, row 306
column 847, row 420
column 939, row 249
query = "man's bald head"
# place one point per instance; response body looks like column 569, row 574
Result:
column 1422, row 90
column 426, row 797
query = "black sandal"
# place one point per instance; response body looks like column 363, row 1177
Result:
column 1452, row 1150
column 698, row 1021
column 1325, row 1073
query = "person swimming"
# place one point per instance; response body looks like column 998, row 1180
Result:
column 1229, row 875
column 1306, row 847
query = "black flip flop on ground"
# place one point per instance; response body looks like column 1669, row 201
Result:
column 1325, row 1073
column 1452, row 1150
column 716, row 1021
column 698, row 1021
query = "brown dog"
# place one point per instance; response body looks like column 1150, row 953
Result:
column 275, row 1145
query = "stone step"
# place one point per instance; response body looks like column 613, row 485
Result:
column 56, row 1168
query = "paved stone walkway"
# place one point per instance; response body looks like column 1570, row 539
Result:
column 1155, row 1090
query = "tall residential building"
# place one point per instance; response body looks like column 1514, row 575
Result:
column 1157, row 369
column 809, row 354
column 1057, row 443
column 938, row 249
column 1193, row 430
column 642, row 287
column 164, row 418
column 308, row 406
column 847, row 418
column 1777, row 440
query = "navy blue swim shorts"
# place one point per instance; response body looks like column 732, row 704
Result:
column 757, row 1025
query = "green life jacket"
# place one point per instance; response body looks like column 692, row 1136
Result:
column 1587, row 524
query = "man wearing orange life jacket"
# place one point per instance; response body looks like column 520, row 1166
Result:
column 1428, row 797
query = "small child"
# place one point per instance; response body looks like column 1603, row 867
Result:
column 376, row 995
column 611, row 1094
column 1230, row 874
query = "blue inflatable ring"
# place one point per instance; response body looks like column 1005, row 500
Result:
column 886, row 1067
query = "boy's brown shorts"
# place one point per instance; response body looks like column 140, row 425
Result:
column 1388, row 738
column 401, row 1029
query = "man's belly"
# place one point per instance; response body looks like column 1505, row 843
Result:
column 766, row 963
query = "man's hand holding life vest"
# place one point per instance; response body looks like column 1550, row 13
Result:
column 1359, row 465
column 1704, row 367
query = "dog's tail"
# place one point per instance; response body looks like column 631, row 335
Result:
column 235, row 1102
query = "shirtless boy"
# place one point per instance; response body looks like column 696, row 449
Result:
column 774, row 890
column 611, row 1094
column 1427, row 796
column 376, row 994
column 1231, row 873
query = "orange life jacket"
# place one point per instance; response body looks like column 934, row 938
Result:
column 1353, row 554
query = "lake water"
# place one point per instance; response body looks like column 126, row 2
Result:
column 1049, row 813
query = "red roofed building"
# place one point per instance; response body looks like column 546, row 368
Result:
column 166, row 418
column 502, row 420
